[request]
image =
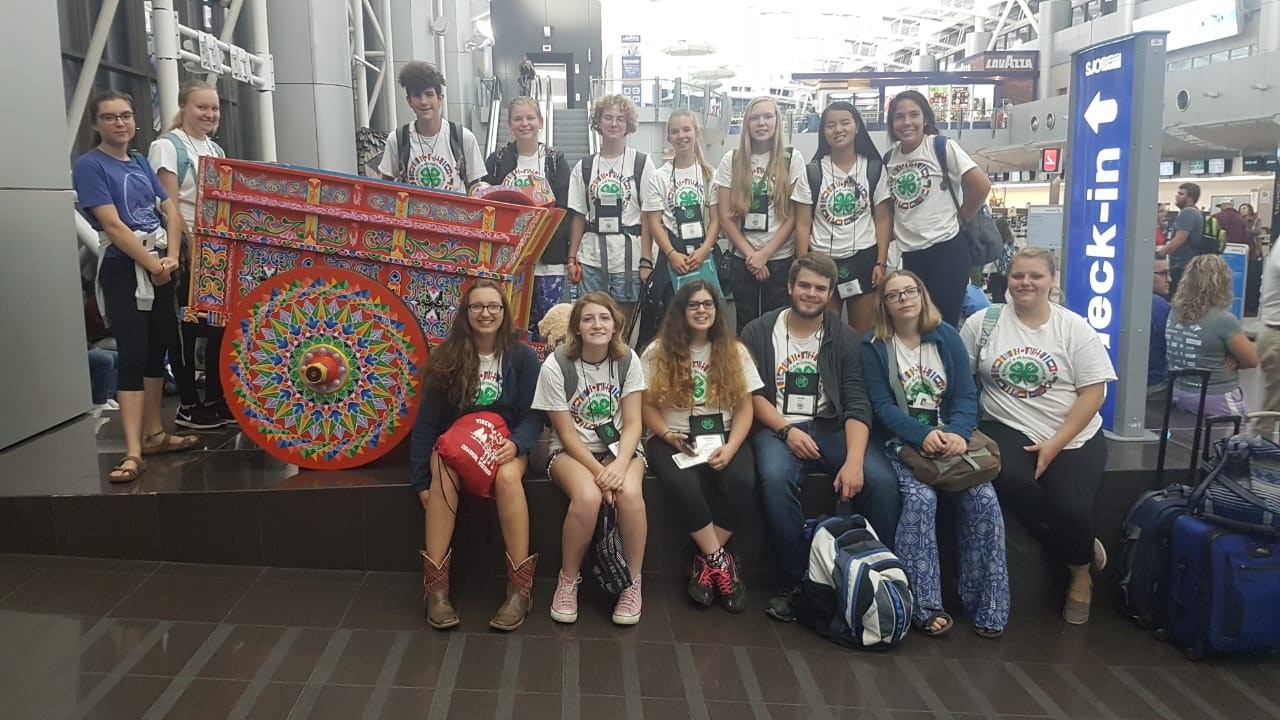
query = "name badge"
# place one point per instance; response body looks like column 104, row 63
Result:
column 758, row 216
column 924, row 410
column 689, row 223
column 711, row 424
column 609, row 214
column 800, row 393
column 609, row 435
column 853, row 288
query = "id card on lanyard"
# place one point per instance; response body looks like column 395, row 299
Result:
column 757, row 219
column 609, row 435
column 709, row 424
column 690, row 227
column 609, row 213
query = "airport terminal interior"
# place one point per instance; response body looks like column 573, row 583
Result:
column 266, row 559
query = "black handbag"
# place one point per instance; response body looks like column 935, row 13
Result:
column 608, row 564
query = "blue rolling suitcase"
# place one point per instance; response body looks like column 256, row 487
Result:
column 1144, row 552
column 1224, row 589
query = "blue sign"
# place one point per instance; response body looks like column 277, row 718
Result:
column 1101, row 139
column 631, row 67
column 1236, row 256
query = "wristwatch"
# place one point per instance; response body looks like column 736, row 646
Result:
column 783, row 431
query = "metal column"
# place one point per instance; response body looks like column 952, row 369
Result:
column 266, row 99
column 84, row 85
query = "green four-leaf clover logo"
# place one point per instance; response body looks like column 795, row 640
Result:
column 708, row 424
column 907, row 185
column 486, row 395
column 1025, row 373
column 688, row 197
column 430, row 175
column 599, row 407
column 610, row 187
column 842, row 203
column 802, row 381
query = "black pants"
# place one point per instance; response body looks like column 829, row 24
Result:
column 182, row 359
column 944, row 269
column 1057, row 508
column 704, row 496
column 142, row 337
column 997, row 286
column 752, row 298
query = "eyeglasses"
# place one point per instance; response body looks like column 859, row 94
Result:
column 1163, row 273
column 910, row 293
column 477, row 308
column 695, row 305
column 112, row 119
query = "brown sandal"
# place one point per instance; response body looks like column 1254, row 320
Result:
column 127, row 474
column 168, row 443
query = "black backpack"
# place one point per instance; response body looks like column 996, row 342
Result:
column 455, row 146
column 875, row 168
column 637, row 171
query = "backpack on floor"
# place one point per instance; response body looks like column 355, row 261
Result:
column 855, row 592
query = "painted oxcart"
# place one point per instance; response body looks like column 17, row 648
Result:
column 331, row 286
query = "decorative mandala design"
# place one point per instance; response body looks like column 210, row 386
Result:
column 324, row 368
column 434, row 298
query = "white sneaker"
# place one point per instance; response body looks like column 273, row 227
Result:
column 111, row 404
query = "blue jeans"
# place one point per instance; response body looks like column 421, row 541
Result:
column 782, row 477
column 102, row 374
column 613, row 284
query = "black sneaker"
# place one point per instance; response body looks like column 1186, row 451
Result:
column 198, row 417
column 222, row 410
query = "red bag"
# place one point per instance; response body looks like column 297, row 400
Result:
column 470, row 447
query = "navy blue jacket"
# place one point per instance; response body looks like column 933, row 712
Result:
column 959, row 411
column 519, row 380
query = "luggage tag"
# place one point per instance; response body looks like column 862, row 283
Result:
column 800, row 393
column 849, row 289
column 757, row 218
column 689, row 223
column 710, row 424
column 925, row 410
column 609, row 435
column 609, row 213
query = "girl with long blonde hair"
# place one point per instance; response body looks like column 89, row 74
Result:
column 679, row 210
column 700, row 384
column 1203, row 333
column 755, row 185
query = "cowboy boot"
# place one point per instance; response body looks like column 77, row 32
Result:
column 519, row 595
column 435, row 592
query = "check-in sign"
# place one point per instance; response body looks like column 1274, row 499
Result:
column 1101, row 141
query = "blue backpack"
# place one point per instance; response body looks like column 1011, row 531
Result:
column 855, row 592
column 185, row 164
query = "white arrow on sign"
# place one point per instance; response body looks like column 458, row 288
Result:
column 1100, row 112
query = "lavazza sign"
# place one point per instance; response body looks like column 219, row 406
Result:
column 1010, row 62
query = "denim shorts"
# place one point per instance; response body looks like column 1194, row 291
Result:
column 595, row 279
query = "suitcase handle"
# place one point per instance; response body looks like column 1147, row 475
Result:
column 1203, row 377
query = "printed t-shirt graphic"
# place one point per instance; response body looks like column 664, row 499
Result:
column 490, row 387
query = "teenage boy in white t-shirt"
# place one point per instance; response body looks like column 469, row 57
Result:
column 440, row 156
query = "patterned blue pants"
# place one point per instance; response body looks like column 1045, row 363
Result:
column 984, row 573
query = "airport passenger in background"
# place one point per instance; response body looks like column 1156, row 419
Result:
column 1204, row 333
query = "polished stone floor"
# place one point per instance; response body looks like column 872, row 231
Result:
column 127, row 639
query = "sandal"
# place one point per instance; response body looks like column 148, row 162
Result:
column 168, row 443
column 926, row 626
column 987, row 633
column 121, row 474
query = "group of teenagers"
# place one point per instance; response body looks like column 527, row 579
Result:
column 727, row 417
column 732, row 418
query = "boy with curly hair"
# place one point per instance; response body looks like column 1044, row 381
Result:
column 430, row 151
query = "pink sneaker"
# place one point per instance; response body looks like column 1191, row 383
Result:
column 627, row 611
column 564, row 603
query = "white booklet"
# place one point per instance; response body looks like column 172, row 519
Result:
column 703, row 446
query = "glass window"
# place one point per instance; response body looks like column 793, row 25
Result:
column 1180, row 65
column 1220, row 57
column 1201, row 61
column 1240, row 52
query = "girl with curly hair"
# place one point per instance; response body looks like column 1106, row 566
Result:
column 1203, row 333
column 700, row 384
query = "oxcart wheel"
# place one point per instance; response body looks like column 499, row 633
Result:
column 323, row 368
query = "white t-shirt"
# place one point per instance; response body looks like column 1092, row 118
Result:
column 759, row 163
column 613, row 176
column 678, row 418
column 1029, row 377
column 843, row 221
column 531, row 171
column 794, row 354
column 672, row 187
column 597, row 399
column 923, row 211
column 431, row 161
column 490, row 387
column 923, row 378
column 164, row 156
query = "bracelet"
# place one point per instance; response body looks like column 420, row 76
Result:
column 646, row 263
column 573, row 261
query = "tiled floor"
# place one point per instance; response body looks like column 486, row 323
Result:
column 117, row 639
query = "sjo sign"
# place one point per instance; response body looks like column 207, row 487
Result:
column 1101, row 129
